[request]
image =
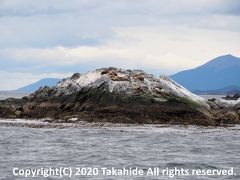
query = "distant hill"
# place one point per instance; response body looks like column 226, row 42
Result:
column 221, row 72
column 35, row 86
column 230, row 90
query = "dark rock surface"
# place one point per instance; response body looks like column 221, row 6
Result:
column 234, row 97
column 96, row 105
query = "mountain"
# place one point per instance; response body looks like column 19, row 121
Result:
column 35, row 86
column 218, row 73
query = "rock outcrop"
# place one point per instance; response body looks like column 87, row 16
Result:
column 118, row 96
column 234, row 97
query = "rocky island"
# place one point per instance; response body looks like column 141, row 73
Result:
column 121, row 96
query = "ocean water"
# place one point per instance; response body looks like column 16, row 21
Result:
column 26, row 146
column 35, row 144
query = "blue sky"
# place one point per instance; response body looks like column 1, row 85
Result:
column 55, row 38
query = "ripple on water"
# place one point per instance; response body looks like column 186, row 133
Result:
column 127, row 146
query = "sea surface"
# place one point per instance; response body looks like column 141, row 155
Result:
column 28, row 146
column 35, row 144
column 10, row 94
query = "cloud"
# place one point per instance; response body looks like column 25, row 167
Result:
column 168, row 48
column 28, row 7
column 49, row 23
column 161, row 36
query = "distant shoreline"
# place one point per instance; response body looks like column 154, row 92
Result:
column 42, row 123
column 12, row 94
